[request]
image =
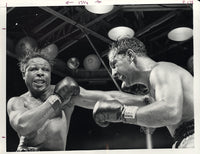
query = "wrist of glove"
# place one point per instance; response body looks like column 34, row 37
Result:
column 129, row 114
column 54, row 101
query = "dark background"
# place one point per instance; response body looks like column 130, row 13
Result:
column 151, row 24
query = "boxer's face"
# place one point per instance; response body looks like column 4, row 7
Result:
column 37, row 75
column 122, row 67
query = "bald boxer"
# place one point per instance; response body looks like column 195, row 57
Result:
column 170, row 85
column 41, row 116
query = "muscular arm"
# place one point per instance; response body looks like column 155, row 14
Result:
column 88, row 98
column 167, row 109
column 25, row 121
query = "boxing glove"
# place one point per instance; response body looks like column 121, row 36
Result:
column 113, row 111
column 66, row 88
column 63, row 91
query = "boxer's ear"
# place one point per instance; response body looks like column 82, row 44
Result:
column 131, row 54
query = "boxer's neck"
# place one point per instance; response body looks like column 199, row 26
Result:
column 145, row 64
column 42, row 96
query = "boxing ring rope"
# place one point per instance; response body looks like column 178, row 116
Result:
column 148, row 131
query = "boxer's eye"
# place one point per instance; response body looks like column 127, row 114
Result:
column 46, row 69
column 32, row 69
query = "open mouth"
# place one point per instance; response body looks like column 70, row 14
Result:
column 39, row 82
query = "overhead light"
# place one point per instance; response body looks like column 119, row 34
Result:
column 180, row 34
column 51, row 51
column 91, row 62
column 73, row 63
column 120, row 32
column 99, row 9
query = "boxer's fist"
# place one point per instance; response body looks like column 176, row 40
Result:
column 66, row 88
column 107, row 111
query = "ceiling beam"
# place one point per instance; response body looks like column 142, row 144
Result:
column 68, row 20
column 68, row 44
column 51, row 32
column 169, row 48
column 155, row 24
column 96, row 20
column 47, row 21
column 56, row 28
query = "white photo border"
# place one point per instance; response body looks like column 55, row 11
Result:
column 196, row 36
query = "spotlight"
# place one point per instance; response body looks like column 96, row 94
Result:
column 99, row 9
column 120, row 32
column 73, row 63
column 180, row 34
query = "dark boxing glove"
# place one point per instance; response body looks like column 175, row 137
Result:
column 66, row 88
column 113, row 111
column 63, row 91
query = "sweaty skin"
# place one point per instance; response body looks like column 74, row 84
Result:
column 52, row 133
column 172, row 88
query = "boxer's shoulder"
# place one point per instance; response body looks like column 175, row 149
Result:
column 24, row 100
column 165, row 66
column 15, row 103
column 16, row 99
column 163, row 69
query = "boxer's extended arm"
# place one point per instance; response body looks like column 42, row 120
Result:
column 88, row 98
column 166, row 110
column 25, row 121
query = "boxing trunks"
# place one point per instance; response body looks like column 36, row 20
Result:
column 184, row 135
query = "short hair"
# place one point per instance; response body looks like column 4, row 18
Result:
column 122, row 45
column 33, row 54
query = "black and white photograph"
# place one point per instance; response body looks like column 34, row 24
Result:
column 100, row 77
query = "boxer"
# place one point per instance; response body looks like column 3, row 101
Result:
column 170, row 85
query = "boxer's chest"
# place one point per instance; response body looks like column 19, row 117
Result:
column 54, row 130
column 52, row 134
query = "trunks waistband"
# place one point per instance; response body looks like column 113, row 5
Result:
column 184, row 130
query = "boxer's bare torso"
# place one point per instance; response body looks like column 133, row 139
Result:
column 52, row 135
column 186, row 81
